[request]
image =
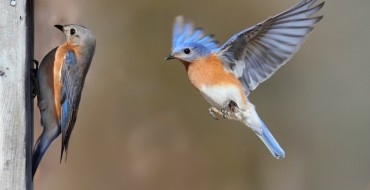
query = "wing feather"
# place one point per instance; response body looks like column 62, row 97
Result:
column 255, row 53
column 72, row 83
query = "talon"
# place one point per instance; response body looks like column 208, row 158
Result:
column 34, row 70
column 34, row 83
column 233, row 105
column 36, row 63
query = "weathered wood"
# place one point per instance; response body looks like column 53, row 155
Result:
column 16, row 112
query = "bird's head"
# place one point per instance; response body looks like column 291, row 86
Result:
column 77, row 35
column 189, row 52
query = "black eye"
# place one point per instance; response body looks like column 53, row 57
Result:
column 187, row 51
column 73, row 31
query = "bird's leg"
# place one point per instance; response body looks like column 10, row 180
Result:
column 212, row 111
column 224, row 109
column 35, row 90
column 228, row 105
column 232, row 105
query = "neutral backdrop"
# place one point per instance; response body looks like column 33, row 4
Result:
column 143, row 126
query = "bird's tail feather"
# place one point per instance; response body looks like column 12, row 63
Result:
column 42, row 144
column 40, row 148
column 270, row 142
column 264, row 134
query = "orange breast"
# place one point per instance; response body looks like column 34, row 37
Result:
column 59, row 55
column 210, row 71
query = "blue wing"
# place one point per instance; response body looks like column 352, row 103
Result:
column 184, row 32
column 256, row 53
column 71, row 87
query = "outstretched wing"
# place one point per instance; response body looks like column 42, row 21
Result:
column 71, row 87
column 256, row 53
column 184, row 32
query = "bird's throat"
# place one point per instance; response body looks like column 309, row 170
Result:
column 186, row 64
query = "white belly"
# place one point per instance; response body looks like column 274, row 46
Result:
column 217, row 95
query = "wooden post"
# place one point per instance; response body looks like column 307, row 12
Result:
column 16, row 112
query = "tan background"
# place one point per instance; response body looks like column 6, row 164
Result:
column 142, row 126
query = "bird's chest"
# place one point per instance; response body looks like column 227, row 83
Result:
column 215, row 84
column 219, row 95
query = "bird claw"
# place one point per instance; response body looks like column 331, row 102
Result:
column 35, row 90
column 225, row 113
column 228, row 105
column 232, row 105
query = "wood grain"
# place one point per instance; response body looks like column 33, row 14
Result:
column 16, row 52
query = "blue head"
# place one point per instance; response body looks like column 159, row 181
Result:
column 188, row 43
column 189, row 52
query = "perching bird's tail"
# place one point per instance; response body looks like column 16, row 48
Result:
column 42, row 144
column 257, row 125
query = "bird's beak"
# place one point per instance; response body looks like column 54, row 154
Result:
column 169, row 57
column 60, row 27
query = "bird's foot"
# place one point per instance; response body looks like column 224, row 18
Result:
column 35, row 90
column 224, row 113
column 212, row 112
column 228, row 105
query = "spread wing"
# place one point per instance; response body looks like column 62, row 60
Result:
column 184, row 32
column 71, row 87
column 256, row 53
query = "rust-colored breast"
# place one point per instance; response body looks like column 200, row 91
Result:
column 57, row 67
column 209, row 71
column 59, row 56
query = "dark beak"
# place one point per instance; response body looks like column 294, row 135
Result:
column 60, row 27
column 169, row 57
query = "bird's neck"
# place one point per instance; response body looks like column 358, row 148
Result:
column 186, row 64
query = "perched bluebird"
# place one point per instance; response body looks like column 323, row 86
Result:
column 226, row 74
column 61, row 78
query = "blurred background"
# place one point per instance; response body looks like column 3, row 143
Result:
column 143, row 126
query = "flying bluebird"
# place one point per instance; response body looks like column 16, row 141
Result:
column 226, row 74
column 61, row 78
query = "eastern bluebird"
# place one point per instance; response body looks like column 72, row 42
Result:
column 226, row 74
column 61, row 78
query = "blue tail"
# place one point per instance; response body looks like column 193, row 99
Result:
column 270, row 142
column 42, row 144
